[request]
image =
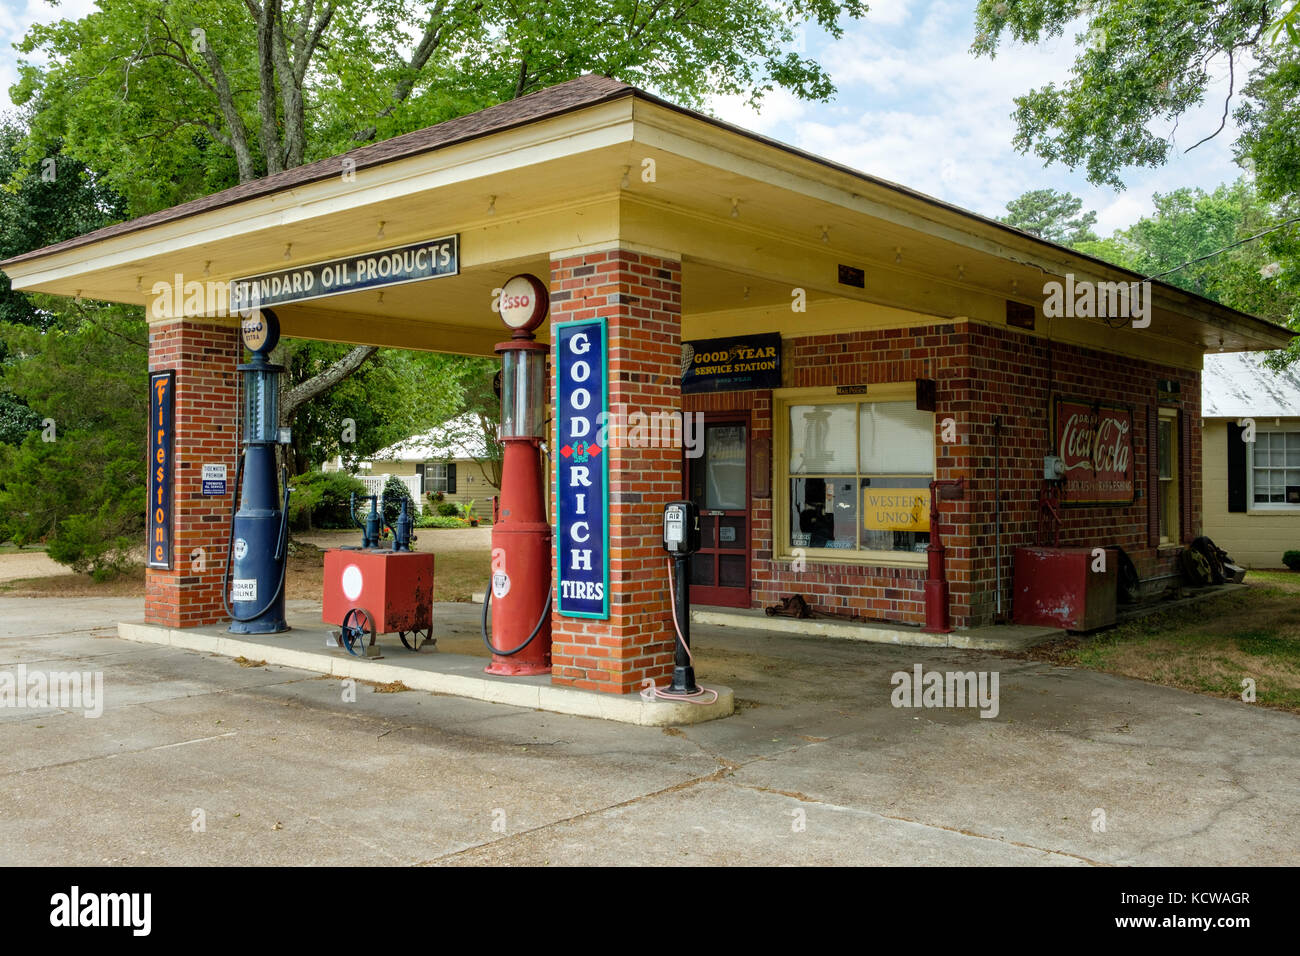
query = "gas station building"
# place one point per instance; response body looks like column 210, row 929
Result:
column 844, row 340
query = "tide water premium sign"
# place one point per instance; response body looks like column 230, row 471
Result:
column 581, row 469
column 162, row 403
column 1095, row 440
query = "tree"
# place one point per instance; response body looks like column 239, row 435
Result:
column 1143, row 65
column 398, row 394
column 173, row 99
column 1053, row 216
column 51, row 200
column 1191, row 226
column 78, row 482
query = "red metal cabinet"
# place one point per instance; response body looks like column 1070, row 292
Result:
column 1057, row 587
column 394, row 587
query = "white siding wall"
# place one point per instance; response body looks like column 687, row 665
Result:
column 1256, row 539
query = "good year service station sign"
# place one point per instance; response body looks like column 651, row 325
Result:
column 581, row 469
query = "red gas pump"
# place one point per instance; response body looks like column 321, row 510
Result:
column 519, row 592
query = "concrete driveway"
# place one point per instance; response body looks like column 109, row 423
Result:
column 197, row 760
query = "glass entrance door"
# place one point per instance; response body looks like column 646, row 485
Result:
column 719, row 486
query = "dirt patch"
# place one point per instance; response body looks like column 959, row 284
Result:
column 457, row 575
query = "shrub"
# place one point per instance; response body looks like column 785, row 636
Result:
column 88, row 544
column 448, row 509
column 395, row 492
column 441, row 521
column 322, row 499
column 1292, row 560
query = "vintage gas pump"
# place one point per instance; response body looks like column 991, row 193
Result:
column 256, row 556
column 519, row 592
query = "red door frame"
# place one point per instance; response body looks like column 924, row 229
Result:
column 718, row 595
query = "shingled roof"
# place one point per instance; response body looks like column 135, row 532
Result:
column 585, row 91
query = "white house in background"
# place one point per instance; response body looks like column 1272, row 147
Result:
column 1251, row 491
column 451, row 458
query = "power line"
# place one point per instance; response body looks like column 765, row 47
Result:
column 1217, row 252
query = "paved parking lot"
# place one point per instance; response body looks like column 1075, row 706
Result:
column 817, row 766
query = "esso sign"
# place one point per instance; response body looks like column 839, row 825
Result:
column 524, row 301
column 260, row 331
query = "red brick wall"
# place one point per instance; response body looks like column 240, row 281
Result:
column 640, row 298
column 204, row 358
column 980, row 371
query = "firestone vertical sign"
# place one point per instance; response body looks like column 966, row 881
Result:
column 581, row 468
column 162, row 404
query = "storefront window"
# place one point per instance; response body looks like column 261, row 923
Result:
column 1275, row 469
column 859, row 476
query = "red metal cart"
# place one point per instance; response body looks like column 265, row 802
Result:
column 375, row 591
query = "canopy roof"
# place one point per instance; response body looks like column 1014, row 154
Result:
column 595, row 164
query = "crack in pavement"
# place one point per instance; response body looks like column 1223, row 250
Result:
column 961, row 831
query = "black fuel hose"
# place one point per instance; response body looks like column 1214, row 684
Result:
column 487, row 601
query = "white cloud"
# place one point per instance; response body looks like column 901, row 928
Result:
column 16, row 18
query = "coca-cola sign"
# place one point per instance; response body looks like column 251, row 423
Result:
column 1095, row 440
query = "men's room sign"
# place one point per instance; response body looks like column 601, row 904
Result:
column 581, row 469
column 162, row 405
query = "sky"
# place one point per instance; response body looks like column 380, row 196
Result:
column 913, row 105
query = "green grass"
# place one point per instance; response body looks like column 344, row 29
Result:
column 1210, row 647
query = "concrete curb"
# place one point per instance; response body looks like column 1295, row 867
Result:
column 984, row 639
column 533, row 692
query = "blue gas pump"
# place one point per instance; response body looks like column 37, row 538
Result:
column 257, row 555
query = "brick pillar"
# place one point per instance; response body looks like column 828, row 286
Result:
column 639, row 297
column 204, row 357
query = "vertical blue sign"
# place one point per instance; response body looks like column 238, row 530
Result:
column 582, row 468
column 162, row 404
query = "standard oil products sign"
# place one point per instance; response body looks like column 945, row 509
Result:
column 581, row 469
column 430, row 259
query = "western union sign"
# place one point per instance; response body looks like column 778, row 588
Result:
column 895, row 509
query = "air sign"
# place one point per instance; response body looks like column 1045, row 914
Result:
column 581, row 469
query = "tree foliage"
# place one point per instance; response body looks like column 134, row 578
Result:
column 78, row 482
column 173, row 99
column 1192, row 224
column 1056, row 217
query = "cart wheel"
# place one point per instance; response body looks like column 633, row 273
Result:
column 417, row 638
column 357, row 624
